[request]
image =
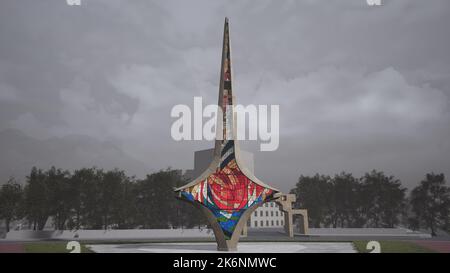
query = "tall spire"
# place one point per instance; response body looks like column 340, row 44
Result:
column 226, row 147
column 225, row 87
column 227, row 192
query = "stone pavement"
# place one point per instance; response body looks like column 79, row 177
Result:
column 243, row 247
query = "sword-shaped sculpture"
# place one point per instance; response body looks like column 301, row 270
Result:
column 227, row 192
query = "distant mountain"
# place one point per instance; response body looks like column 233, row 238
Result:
column 19, row 153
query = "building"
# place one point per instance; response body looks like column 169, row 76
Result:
column 268, row 215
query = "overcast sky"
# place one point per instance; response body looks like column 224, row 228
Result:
column 359, row 87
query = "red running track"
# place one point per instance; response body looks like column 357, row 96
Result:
column 11, row 248
column 438, row 246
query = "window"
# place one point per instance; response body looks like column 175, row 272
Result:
column 256, row 213
column 271, row 205
column 266, row 205
column 267, row 214
column 261, row 213
column 271, row 213
column 267, row 223
column 272, row 222
column 276, row 214
column 278, row 223
column 248, row 223
column 281, row 222
column 262, row 223
column 256, row 223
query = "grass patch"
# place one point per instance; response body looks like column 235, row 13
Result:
column 393, row 247
column 51, row 247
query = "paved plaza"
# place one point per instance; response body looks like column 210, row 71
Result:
column 243, row 247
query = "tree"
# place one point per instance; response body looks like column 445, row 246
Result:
column 92, row 198
column 36, row 204
column 383, row 199
column 314, row 194
column 110, row 196
column 10, row 199
column 152, row 203
column 124, row 209
column 85, row 186
column 430, row 203
column 78, row 184
column 59, row 196
column 345, row 209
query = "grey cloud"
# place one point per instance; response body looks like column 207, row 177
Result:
column 69, row 152
column 358, row 87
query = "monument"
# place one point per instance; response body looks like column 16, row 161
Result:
column 227, row 192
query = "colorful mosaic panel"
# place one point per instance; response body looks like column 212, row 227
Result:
column 227, row 193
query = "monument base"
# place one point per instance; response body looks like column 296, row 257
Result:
column 228, row 249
